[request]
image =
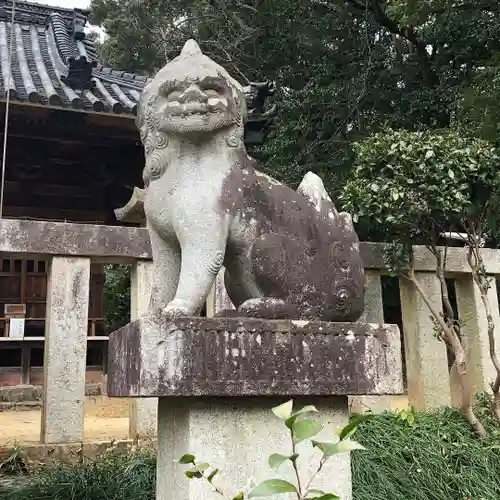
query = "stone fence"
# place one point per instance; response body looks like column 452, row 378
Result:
column 71, row 248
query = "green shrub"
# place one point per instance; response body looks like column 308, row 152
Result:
column 425, row 456
column 433, row 456
column 114, row 476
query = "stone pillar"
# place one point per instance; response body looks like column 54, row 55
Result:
column 218, row 379
column 374, row 304
column 238, row 436
column 474, row 330
column 65, row 350
column 142, row 412
column 426, row 359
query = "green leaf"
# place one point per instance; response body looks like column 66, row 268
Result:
column 374, row 187
column 193, row 474
column 305, row 429
column 411, row 418
column 275, row 460
column 326, row 496
column 187, row 459
column 352, row 426
column 212, row 474
column 202, row 466
column 347, row 445
column 330, row 449
column 293, row 417
column 239, row 496
column 451, row 174
column 272, row 487
column 283, row 411
column 325, row 448
column 315, row 492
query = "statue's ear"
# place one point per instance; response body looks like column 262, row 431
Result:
column 145, row 177
column 139, row 117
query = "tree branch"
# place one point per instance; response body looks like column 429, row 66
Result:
column 374, row 7
column 492, row 6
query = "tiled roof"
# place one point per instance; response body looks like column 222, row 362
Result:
column 54, row 64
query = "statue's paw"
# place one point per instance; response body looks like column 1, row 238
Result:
column 177, row 309
column 267, row 308
column 227, row 313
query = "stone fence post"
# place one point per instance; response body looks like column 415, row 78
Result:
column 474, row 330
column 374, row 313
column 65, row 350
column 142, row 412
column 426, row 358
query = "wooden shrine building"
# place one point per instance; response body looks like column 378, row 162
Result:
column 73, row 155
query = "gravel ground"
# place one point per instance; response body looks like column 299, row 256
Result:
column 105, row 419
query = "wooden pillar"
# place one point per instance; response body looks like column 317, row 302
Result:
column 25, row 365
column 142, row 411
column 474, row 330
column 65, row 350
column 426, row 357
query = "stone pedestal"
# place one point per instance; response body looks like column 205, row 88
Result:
column 217, row 380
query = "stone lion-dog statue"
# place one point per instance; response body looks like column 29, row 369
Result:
column 287, row 254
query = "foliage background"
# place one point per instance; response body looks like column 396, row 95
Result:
column 343, row 69
column 116, row 296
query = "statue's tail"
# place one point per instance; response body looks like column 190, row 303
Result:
column 313, row 189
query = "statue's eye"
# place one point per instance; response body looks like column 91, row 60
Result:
column 174, row 95
column 211, row 93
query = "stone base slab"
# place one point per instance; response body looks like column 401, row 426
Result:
column 70, row 452
column 21, row 406
column 159, row 357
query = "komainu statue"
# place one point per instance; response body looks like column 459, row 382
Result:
column 287, row 254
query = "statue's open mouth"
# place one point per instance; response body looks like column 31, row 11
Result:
column 196, row 109
column 191, row 112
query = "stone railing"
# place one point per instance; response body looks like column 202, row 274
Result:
column 430, row 384
column 71, row 248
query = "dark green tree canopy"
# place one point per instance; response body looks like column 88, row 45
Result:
column 344, row 69
column 418, row 185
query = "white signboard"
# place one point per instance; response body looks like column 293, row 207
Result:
column 16, row 328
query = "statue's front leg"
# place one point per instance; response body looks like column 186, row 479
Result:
column 166, row 270
column 203, row 248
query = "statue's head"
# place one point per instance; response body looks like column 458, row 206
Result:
column 191, row 95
